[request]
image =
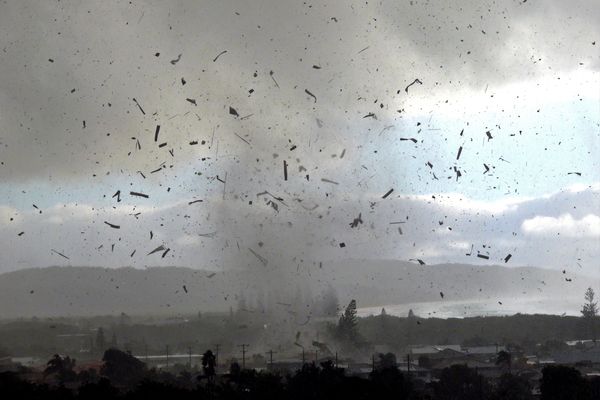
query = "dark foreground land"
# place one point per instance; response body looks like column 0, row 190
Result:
column 124, row 377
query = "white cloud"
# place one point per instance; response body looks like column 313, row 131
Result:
column 588, row 226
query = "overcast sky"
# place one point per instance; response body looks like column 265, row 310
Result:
column 493, row 150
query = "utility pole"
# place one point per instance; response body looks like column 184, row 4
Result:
column 167, row 356
column 303, row 359
column 373, row 363
column 408, row 364
column 336, row 360
column 217, row 356
column 190, row 357
column 243, row 346
column 316, row 356
column 271, row 357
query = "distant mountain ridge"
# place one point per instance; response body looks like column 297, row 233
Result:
column 86, row 291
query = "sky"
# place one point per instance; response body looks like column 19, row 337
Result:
column 483, row 117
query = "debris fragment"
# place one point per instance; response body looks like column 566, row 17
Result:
column 387, row 193
column 219, row 55
column 175, row 61
column 412, row 83
column 112, row 225
column 272, row 77
column 156, row 250
column 60, row 254
column 233, row 111
column 139, row 194
column 260, row 258
column 310, row 94
column 459, row 151
column 156, row 131
column 356, row 221
column 140, row 107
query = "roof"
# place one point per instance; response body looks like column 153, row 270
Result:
column 433, row 349
column 483, row 349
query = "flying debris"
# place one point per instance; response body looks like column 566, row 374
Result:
column 411, row 139
column 60, row 254
column 260, row 258
column 175, row 61
column 219, row 55
column 410, row 84
column 310, row 94
column 356, row 221
column 156, row 250
column 140, row 107
column 387, row 193
column 137, row 194
column 112, row 225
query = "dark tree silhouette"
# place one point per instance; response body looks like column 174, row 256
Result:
column 347, row 324
column 387, row 360
column 560, row 382
column 122, row 368
column 461, row 382
column 512, row 387
column 208, row 364
column 62, row 367
column 504, row 360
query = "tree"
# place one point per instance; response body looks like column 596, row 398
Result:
column 387, row 361
column 590, row 311
column 513, row 387
column 62, row 367
column 122, row 368
column 461, row 382
column 590, row 307
column 560, row 382
column 504, row 360
column 346, row 328
column 208, row 364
